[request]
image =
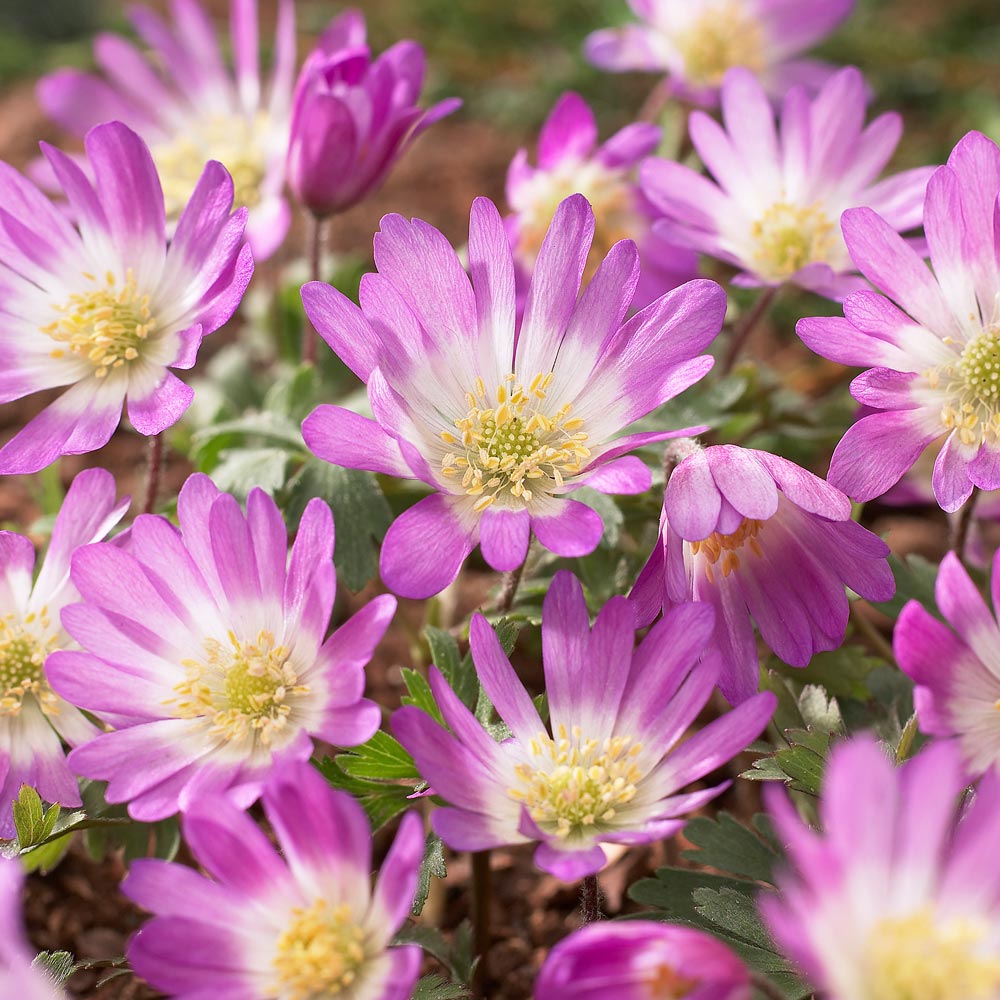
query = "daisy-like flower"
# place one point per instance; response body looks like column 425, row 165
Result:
column 354, row 117
column 18, row 978
column 502, row 427
column 642, row 960
column 934, row 338
column 611, row 767
column 306, row 926
column 190, row 107
column 957, row 670
column 569, row 162
column 33, row 718
column 697, row 41
column 899, row 898
column 758, row 537
column 774, row 209
column 204, row 649
column 108, row 309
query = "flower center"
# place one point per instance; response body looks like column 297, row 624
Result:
column 728, row 547
column 319, row 954
column 610, row 195
column 233, row 140
column 22, row 659
column 246, row 689
column 106, row 325
column 973, row 390
column 575, row 786
column 915, row 958
column 723, row 37
column 788, row 237
column 513, row 449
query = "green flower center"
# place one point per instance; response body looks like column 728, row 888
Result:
column 22, row 661
column 723, row 37
column 790, row 236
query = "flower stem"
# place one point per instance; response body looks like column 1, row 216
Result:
column 764, row 986
column 154, row 468
column 745, row 327
column 482, row 892
column 508, row 589
column 881, row 645
column 317, row 231
column 590, row 899
column 961, row 533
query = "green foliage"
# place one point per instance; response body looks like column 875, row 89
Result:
column 57, row 965
column 434, row 987
column 915, row 577
column 382, row 801
column 381, row 758
column 456, row 957
column 431, row 865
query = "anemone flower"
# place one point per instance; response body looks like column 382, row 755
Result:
column 755, row 536
column 306, row 925
column 611, row 767
column 205, row 648
column 773, row 210
column 899, row 897
column 502, row 427
column 190, row 107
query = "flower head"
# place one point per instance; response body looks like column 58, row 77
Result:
column 755, row 536
column 899, row 898
column 301, row 927
column 34, row 720
column 204, row 649
column 957, row 670
column 108, row 309
column 608, row 768
column 191, row 108
column 774, row 209
column 569, row 163
column 353, row 118
column 934, row 338
column 502, row 427
column 697, row 41
column 642, row 960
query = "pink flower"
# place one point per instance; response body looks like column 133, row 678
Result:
column 774, row 208
column 502, row 427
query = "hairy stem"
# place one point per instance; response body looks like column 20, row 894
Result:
column 590, row 899
column 508, row 589
column 745, row 327
column 317, row 231
column 482, row 892
column 960, row 535
column 154, row 469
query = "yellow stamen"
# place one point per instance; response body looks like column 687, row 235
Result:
column 23, row 653
column 726, row 35
column 790, row 236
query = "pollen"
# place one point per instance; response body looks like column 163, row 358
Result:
column 246, row 690
column 22, row 661
column 971, row 388
column 918, row 958
column 723, row 37
column 232, row 140
column 511, row 448
column 787, row 237
column 106, row 325
column 726, row 551
column 574, row 787
column 319, row 954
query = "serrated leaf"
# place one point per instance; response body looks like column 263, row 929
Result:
column 670, row 889
column 820, row 710
column 239, row 470
column 383, row 757
column 420, row 694
column 380, row 800
column 435, row 987
column 459, row 672
column 803, row 766
column 726, row 844
column 431, row 866
column 57, row 965
column 31, row 822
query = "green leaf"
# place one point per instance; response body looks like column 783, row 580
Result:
column 820, row 711
column 459, row 672
column 31, row 823
column 915, row 577
column 381, row 801
column 800, row 764
column 843, row 672
column 239, row 470
column 456, row 957
column 431, row 865
column 382, row 757
column 420, row 694
column 46, row 856
column 728, row 845
column 670, row 891
column 57, row 965
column 435, row 987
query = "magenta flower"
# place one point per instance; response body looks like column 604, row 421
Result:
column 932, row 337
column 301, row 927
column 611, row 767
column 757, row 537
column 957, row 670
column 191, row 108
column 641, row 960
column 17, row 976
column 501, row 428
column 774, row 209
column 899, row 899
column 569, row 163
column 697, row 41
column 33, row 718
column 206, row 653
column 108, row 309
column 353, row 118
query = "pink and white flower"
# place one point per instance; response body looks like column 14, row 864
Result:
column 304, row 926
column 205, row 648
column 108, row 309
column 932, row 337
column 697, row 41
column 774, row 208
column 502, row 426
column 34, row 720
column 190, row 107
